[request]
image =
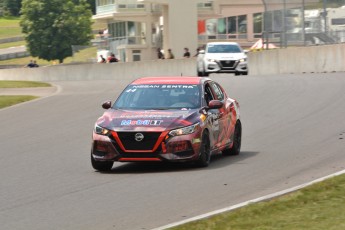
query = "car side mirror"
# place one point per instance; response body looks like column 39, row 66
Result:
column 215, row 104
column 106, row 105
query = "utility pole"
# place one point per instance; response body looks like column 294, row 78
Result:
column 303, row 23
column 324, row 14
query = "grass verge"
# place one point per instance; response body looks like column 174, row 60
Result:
column 22, row 84
column 9, row 27
column 318, row 207
column 8, row 100
column 85, row 55
column 12, row 44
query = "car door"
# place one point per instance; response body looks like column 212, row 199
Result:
column 224, row 116
column 213, row 116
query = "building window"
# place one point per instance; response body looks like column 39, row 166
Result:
column 222, row 26
column 105, row 2
column 211, row 26
column 242, row 24
column 257, row 23
column 136, row 55
column 232, row 22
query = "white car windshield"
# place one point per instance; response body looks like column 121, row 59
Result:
column 223, row 48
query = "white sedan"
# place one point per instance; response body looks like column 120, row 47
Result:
column 222, row 57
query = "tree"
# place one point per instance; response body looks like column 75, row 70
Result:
column 12, row 7
column 92, row 4
column 52, row 27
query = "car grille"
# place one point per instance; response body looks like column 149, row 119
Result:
column 228, row 64
column 129, row 142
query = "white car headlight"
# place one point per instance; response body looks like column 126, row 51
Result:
column 243, row 60
column 211, row 60
column 101, row 131
column 185, row 130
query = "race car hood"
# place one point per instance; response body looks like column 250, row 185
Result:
column 225, row 56
column 148, row 120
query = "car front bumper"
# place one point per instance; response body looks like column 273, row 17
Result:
column 226, row 66
column 175, row 149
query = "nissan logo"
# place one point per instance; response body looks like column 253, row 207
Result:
column 139, row 137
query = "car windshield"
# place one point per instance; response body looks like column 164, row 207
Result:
column 223, row 48
column 159, row 97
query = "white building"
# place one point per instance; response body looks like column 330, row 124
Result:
column 137, row 28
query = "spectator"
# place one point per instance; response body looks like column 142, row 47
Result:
column 186, row 53
column 32, row 64
column 112, row 58
column 170, row 54
column 35, row 64
column 160, row 54
column 102, row 59
column 197, row 52
column 100, row 33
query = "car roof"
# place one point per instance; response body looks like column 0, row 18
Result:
column 222, row 43
column 170, row 80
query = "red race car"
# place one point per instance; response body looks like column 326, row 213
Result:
column 176, row 119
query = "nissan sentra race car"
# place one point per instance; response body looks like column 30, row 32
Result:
column 175, row 119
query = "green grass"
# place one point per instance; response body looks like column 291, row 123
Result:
column 12, row 44
column 8, row 100
column 22, row 84
column 317, row 207
column 81, row 56
column 9, row 27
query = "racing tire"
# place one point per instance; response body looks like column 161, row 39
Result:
column 101, row 166
column 205, row 151
column 236, row 147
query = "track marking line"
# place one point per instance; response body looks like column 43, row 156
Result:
column 263, row 198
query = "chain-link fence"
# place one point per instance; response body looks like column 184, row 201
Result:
column 303, row 22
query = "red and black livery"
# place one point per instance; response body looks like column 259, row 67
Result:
column 176, row 119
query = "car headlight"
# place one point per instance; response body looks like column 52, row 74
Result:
column 211, row 60
column 101, row 131
column 243, row 60
column 185, row 130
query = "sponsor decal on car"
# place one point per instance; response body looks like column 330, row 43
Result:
column 165, row 86
column 141, row 122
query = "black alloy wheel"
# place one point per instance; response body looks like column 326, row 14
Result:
column 236, row 147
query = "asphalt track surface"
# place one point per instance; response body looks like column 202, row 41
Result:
column 293, row 133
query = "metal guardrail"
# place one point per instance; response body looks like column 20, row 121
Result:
column 12, row 39
column 14, row 55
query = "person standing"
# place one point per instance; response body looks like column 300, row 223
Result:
column 197, row 52
column 186, row 53
column 102, row 59
column 112, row 58
column 160, row 54
column 170, row 54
